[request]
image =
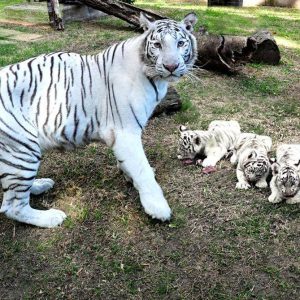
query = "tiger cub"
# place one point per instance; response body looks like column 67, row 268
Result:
column 285, row 183
column 213, row 143
column 250, row 154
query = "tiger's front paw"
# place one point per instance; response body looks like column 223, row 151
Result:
column 243, row 186
column 157, row 208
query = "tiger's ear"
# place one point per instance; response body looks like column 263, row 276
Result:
column 182, row 128
column 275, row 168
column 189, row 21
column 145, row 23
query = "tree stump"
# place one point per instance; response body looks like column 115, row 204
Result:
column 267, row 50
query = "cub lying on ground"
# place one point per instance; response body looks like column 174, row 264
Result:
column 213, row 143
column 285, row 183
column 251, row 156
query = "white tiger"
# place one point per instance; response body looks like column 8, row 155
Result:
column 213, row 143
column 285, row 183
column 251, row 156
column 66, row 99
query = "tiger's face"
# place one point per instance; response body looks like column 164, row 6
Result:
column 169, row 50
column 287, row 179
column 255, row 167
column 189, row 144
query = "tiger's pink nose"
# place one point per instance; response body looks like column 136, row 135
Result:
column 171, row 68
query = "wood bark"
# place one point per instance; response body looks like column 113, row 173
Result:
column 122, row 10
column 54, row 15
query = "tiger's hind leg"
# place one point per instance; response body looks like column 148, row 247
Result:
column 41, row 185
column 17, row 184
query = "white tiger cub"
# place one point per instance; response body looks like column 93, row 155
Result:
column 213, row 143
column 66, row 99
column 285, row 183
column 251, row 156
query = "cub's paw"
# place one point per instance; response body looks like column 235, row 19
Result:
column 157, row 208
column 274, row 199
column 41, row 185
column 261, row 185
column 293, row 200
column 242, row 186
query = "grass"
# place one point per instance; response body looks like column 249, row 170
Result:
column 221, row 243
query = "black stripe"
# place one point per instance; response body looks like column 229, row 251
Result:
column 72, row 77
column 123, row 48
column 104, row 68
column 58, row 75
column 56, row 118
column 96, row 115
column 76, row 122
column 109, row 99
column 154, row 87
column 9, row 92
column 114, row 52
column 115, row 102
column 22, row 97
column 16, row 166
column 98, row 65
column 82, row 104
column 82, row 74
column 137, row 120
column 65, row 74
column 48, row 94
column 37, row 112
column 90, row 75
column 22, row 125
column 40, row 72
column 34, row 91
column 10, row 128
column 30, row 73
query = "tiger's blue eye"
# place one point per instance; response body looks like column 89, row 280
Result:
column 157, row 45
column 180, row 44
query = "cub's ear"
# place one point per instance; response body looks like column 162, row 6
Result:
column 145, row 23
column 189, row 21
column 275, row 168
column 182, row 128
column 253, row 154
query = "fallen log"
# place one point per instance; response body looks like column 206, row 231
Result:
column 122, row 10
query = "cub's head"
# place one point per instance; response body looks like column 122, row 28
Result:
column 189, row 144
column 287, row 179
column 256, row 166
column 169, row 49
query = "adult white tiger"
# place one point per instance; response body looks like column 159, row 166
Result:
column 66, row 99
